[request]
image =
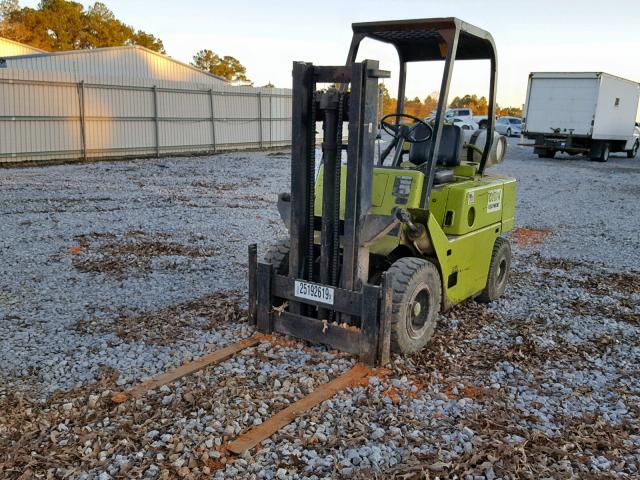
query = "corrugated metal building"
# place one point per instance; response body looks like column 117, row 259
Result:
column 132, row 61
column 127, row 102
column 9, row 48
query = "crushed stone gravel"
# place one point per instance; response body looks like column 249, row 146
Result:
column 112, row 272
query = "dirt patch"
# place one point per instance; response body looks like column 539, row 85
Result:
column 229, row 186
column 116, row 255
column 529, row 237
column 626, row 283
column 224, row 187
column 505, row 445
column 457, row 352
column 176, row 322
column 451, row 345
column 613, row 310
column 559, row 263
column 81, row 429
column 28, row 426
column 255, row 198
column 529, row 453
column 278, row 154
column 591, row 278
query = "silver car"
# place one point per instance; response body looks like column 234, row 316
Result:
column 509, row 126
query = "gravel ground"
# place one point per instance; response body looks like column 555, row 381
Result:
column 112, row 272
column 592, row 208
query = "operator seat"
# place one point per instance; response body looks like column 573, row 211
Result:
column 448, row 154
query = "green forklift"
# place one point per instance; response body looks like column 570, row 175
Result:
column 380, row 244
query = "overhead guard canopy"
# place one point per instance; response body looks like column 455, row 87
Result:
column 431, row 39
column 426, row 39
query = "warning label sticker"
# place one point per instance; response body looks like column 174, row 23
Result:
column 494, row 200
column 472, row 198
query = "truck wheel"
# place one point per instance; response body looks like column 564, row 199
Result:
column 417, row 295
column 634, row 150
column 278, row 256
column 498, row 271
column 600, row 152
column 508, row 132
column 547, row 154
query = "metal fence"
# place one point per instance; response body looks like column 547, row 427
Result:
column 44, row 119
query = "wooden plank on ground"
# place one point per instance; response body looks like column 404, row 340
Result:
column 263, row 431
column 186, row 369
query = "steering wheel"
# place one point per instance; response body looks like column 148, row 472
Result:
column 406, row 132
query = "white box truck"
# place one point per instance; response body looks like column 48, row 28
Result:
column 581, row 113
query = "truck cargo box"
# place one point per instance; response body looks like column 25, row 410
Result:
column 596, row 105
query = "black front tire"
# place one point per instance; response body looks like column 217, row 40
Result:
column 499, row 270
column 508, row 132
column 634, row 150
column 417, row 295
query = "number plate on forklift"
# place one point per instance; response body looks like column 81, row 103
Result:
column 311, row 291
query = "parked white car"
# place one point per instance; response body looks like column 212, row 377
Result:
column 509, row 126
column 465, row 114
column 464, row 123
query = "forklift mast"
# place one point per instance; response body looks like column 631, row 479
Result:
column 331, row 107
column 341, row 260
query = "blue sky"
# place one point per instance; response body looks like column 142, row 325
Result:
column 266, row 36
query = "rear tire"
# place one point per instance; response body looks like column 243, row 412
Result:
column 499, row 269
column 417, row 295
column 604, row 155
column 601, row 155
column 547, row 154
column 278, row 256
column 634, row 150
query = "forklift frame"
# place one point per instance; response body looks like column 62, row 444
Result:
column 348, row 274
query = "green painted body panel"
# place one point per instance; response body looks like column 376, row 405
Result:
column 466, row 169
column 464, row 219
column 383, row 200
column 438, row 203
column 474, row 203
column 466, row 257
column 509, row 205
